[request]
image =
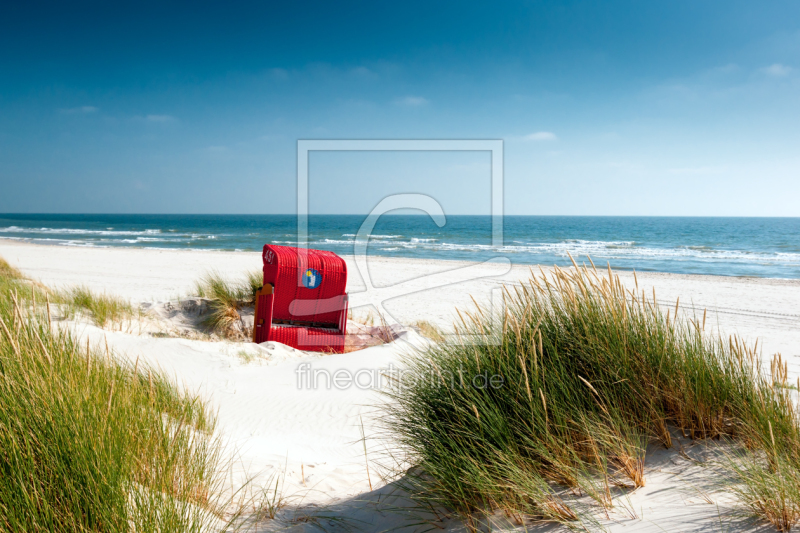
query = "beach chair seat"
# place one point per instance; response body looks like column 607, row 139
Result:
column 303, row 302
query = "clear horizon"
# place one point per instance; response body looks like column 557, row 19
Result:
column 384, row 215
column 612, row 109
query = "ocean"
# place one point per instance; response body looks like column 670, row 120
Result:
column 760, row 247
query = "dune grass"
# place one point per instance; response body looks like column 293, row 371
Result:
column 226, row 300
column 15, row 285
column 767, row 470
column 553, row 421
column 105, row 310
column 89, row 443
column 7, row 272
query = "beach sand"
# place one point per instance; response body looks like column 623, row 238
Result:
column 767, row 309
column 273, row 427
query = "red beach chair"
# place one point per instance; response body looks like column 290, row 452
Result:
column 303, row 302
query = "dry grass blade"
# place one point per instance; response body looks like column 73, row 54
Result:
column 429, row 330
column 10, row 338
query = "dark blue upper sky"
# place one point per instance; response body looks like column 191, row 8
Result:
column 647, row 108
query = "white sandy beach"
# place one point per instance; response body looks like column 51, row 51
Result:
column 767, row 309
column 272, row 426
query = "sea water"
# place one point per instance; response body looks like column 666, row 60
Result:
column 763, row 247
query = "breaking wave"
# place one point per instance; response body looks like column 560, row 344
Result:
column 769, row 248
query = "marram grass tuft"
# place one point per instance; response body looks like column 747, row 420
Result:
column 226, row 300
column 554, row 419
column 89, row 443
column 106, row 311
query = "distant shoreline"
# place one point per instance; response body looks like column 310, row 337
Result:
column 387, row 257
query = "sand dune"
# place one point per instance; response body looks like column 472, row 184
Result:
column 313, row 436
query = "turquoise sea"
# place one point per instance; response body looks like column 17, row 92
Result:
column 763, row 247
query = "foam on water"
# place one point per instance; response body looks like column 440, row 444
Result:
column 725, row 246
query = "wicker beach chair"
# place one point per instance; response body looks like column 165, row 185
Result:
column 303, row 302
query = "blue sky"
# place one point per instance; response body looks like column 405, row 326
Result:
column 606, row 108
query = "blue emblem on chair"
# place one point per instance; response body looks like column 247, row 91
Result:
column 311, row 279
